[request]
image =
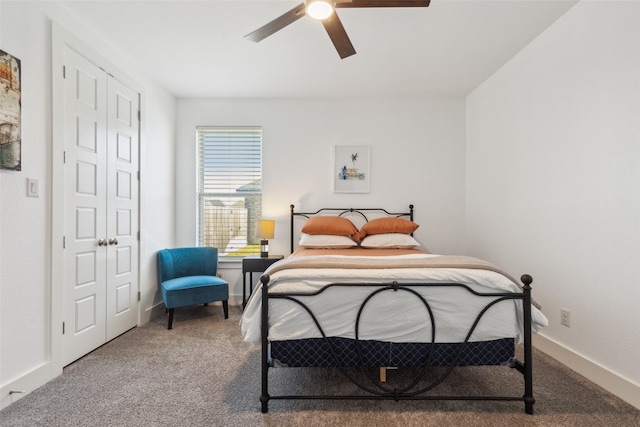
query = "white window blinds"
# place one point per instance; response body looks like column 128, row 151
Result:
column 229, row 189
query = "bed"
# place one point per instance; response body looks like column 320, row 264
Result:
column 360, row 295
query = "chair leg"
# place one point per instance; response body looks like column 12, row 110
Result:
column 225, row 307
column 171, row 310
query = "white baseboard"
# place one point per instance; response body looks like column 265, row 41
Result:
column 152, row 312
column 25, row 384
column 606, row 379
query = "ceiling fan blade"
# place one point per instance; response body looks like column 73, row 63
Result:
column 383, row 3
column 277, row 24
column 338, row 36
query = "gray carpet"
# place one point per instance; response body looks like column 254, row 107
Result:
column 201, row 373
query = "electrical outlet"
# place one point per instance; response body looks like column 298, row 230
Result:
column 565, row 317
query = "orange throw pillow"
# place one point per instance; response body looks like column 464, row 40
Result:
column 334, row 225
column 386, row 225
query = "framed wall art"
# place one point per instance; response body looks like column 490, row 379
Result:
column 351, row 171
column 10, row 111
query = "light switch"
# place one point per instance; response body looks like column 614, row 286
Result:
column 33, row 187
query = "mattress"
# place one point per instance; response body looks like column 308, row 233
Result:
column 425, row 308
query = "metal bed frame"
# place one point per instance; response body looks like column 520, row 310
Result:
column 416, row 390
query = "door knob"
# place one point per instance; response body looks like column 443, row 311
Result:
column 113, row 241
column 102, row 242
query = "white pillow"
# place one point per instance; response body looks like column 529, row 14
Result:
column 389, row 240
column 327, row 241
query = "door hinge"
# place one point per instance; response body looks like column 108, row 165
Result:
column 64, row 157
column 138, row 233
column 138, row 174
column 62, row 328
column 64, row 71
column 138, row 295
column 64, row 242
column 139, row 116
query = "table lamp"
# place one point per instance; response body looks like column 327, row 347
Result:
column 266, row 230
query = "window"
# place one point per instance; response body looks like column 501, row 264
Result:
column 229, row 189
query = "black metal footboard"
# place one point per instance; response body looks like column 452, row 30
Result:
column 418, row 388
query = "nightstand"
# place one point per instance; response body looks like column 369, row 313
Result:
column 254, row 264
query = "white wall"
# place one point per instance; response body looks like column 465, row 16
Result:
column 417, row 157
column 157, row 191
column 24, row 227
column 553, row 179
column 27, row 359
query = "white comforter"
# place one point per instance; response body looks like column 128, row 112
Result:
column 395, row 316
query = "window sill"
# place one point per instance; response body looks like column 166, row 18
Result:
column 230, row 262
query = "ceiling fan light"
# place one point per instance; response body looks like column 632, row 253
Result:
column 319, row 9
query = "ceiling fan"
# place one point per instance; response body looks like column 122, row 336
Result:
column 324, row 10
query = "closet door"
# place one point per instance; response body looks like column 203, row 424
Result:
column 85, row 206
column 122, row 208
column 101, row 203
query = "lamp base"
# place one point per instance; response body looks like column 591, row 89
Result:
column 264, row 249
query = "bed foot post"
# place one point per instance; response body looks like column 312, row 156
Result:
column 528, row 350
column 528, row 404
column 264, row 400
column 264, row 397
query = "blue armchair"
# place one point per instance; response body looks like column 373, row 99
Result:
column 187, row 276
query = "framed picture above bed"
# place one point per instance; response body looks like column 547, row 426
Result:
column 351, row 169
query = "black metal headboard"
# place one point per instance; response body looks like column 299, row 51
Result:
column 342, row 211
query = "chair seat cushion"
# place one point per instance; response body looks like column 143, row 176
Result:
column 192, row 282
column 192, row 290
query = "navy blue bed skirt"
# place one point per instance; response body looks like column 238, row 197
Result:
column 344, row 352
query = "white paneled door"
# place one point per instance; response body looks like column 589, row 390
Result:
column 101, row 207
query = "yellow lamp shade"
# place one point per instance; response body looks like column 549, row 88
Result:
column 266, row 228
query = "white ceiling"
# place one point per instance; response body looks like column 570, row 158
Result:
column 196, row 48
